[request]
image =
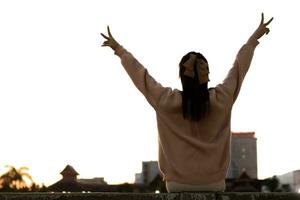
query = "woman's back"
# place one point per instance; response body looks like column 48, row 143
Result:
column 194, row 152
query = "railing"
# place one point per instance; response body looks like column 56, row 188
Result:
column 149, row 196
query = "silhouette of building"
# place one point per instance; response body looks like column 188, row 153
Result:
column 150, row 179
column 96, row 180
column 292, row 179
column 243, row 155
column 149, row 172
column 70, row 183
column 69, row 174
column 244, row 184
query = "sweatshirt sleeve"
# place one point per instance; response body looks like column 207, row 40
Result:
column 233, row 81
column 145, row 83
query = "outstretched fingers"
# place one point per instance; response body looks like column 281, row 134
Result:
column 262, row 19
column 110, row 41
column 106, row 37
column 109, row 37
column 266, row 24
column 109, row 33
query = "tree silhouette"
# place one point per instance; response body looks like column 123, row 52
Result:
column 15, row 179
column 272, row 183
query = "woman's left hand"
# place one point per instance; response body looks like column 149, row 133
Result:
column 110, row 41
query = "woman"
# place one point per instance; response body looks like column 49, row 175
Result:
column 193, row 124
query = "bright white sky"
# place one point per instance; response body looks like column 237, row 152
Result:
column 66, row 100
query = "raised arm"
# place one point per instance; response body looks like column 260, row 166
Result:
column 146, row 84
column 233, row 82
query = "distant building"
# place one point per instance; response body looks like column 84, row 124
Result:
column 243, row 184
column 292, row 179
column 70, row 183
column 149, row 173
column 138, row 178
column 97, row 180
column 243, row 155
column 69, row 174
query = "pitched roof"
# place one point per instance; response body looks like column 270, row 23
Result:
column 61, row 186
column 69, row 170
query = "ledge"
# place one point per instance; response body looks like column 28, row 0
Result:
column 149, row 196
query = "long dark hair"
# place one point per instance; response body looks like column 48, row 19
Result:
column 195, row 96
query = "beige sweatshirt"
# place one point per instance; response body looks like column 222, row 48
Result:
column 192, row 152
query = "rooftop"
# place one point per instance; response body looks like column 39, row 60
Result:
column 243, row 134
column 69, row 170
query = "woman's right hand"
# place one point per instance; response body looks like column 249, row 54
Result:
column 262, row 28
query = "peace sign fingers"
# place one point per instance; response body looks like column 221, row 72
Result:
column 110, row 41
column 106, row 37
column 266, row 24
column 262, row 20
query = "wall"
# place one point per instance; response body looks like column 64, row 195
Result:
column 164, row 196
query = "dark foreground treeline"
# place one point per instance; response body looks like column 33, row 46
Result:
column 19, row 180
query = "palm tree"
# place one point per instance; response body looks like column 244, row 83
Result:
column 15, row 179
